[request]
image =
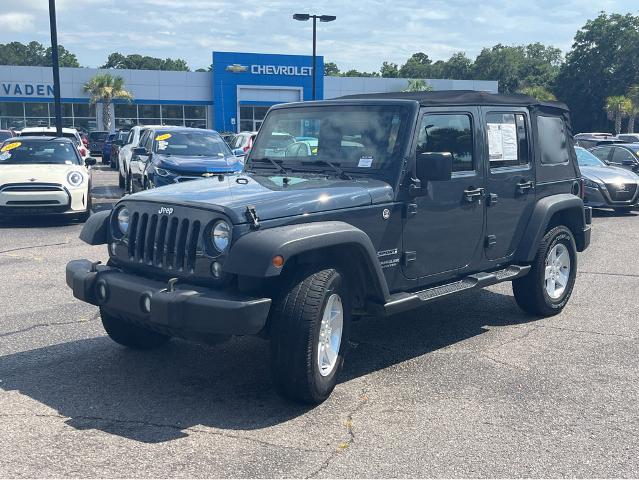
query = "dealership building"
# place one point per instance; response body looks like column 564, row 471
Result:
column 234, row 96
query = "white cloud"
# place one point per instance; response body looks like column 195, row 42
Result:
column 16, row 21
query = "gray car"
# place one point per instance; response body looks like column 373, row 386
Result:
column 607, row 186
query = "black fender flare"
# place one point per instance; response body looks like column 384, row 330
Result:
column 251, row 255
column 96, row 229
column 544, row 210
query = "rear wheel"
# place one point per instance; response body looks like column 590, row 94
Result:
column 129, row 334
column 309, row 335
column 547, row 287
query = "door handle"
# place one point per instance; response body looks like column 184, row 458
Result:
column 523, row 187
column 472, row 194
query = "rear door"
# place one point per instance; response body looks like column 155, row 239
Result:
column 443, row 229
column 624, row 158
column 510, row 192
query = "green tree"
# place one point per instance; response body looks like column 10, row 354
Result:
column 633, row 96
column 103, row 88
column 457, row 67
column 418, row 85
column 357, row 73
column 331, row 69
column 617, row 107
column 34, row 54
column 417, row 66
column 603, row 62
column 539, row 93
column 143, row 62
column 389, row 70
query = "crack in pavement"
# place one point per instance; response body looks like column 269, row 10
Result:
column 632, row 275
column 591, row 332
column 158, row 425
column 40, row 325
column 363, row 399
column 34, row 246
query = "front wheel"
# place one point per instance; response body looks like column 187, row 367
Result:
column 309, row 335
column 547, row 287
column 131, row 335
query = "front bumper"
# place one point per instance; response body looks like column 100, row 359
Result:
column 38, row 198
column 599, row 198
column 186, row 310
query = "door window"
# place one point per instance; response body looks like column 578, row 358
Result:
column 452, row 133
column 621, row 156
column 553, row 140
column 507, row 140
column 602, row 153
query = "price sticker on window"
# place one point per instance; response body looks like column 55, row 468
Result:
column 164, row 136
column 10, row 146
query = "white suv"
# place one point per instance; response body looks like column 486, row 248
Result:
column 126, row 152
column 51, row 132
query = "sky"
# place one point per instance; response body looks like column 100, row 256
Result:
column 366, row 32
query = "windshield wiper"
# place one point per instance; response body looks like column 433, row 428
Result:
column 279, row 167
column 335, row 166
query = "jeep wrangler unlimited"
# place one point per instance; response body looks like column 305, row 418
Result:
column 364, row 205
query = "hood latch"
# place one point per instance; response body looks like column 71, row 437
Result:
column 251, row 216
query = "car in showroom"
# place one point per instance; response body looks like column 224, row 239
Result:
column 44, row 175
column 404, row 202
column 169, row 155
column 625, row 155
column 606, row 185
column 67, row 132
column 96, row 142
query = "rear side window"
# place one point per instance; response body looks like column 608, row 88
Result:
column 602, row 153
column 507, row 139
column 553, row 141
column 621, row 156
column 448, row 133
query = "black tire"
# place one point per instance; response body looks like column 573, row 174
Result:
column 131, row 335
column 128, row 184
column 294, row 335
column 530, row 292
column 120, row 180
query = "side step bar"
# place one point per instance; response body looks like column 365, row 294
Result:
column 400, row 302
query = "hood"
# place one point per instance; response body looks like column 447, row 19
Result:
column 272, row 196
column 609, row 174
column 42, row 173
column 197, row 165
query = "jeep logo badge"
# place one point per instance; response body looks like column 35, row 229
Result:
column 166, row 210
column 386, row 214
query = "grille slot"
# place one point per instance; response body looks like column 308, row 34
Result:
column 164, row 242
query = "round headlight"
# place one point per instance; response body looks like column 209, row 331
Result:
column 123, row 220
column 75, row 179
column 221, row 235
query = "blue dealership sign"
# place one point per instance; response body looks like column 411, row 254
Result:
column 260, row 79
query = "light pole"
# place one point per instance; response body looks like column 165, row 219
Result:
column 303, row 17
column 56, row 69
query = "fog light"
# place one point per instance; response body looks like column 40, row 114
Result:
column 146, row 303
column 216, row 269
column 101, row 291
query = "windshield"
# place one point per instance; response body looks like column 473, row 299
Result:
column 361, row 138
column 98, row 136
column 194, row 143
column 587, row 159
column 38, row 151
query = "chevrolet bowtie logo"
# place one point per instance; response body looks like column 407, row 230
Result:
column 32, row 179
column 237, row 68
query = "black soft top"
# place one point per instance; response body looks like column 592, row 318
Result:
column 460, row 97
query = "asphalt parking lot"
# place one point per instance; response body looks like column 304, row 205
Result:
column 469, row 386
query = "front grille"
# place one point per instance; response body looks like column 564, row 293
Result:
column 165, row 242
column 32, row 187
column 624, row 194
column 33, row 202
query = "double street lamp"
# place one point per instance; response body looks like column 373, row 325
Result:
column 303, row 17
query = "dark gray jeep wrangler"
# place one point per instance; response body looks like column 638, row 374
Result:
column 365, row 205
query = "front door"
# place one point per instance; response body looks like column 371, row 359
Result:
column 510, row 186
column 443, row 229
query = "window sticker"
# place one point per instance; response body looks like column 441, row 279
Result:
column 10, row 146
column 162, row 144
column 365, row 162
column 5, row 156
column 164, row 136
column 502, row 141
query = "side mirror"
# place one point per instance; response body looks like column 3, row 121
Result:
column 239, row 152
column 90, row 161
column 434, row 167
column 140, row 151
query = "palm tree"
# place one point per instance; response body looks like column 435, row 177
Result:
column 633, row 96
column 418, row 85
column 538, row 93
column 103, row 88
column 617, row 108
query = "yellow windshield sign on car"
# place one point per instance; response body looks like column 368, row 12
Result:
column 164, row 136
column 10, row 146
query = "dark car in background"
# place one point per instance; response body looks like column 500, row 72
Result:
column 624, row 155
column 605, row 185
column 96, row 141
column 119, row 140
column 4, row 134
column 590, row 140
column 169, row 155
column 629, row 137
column 106, row 148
